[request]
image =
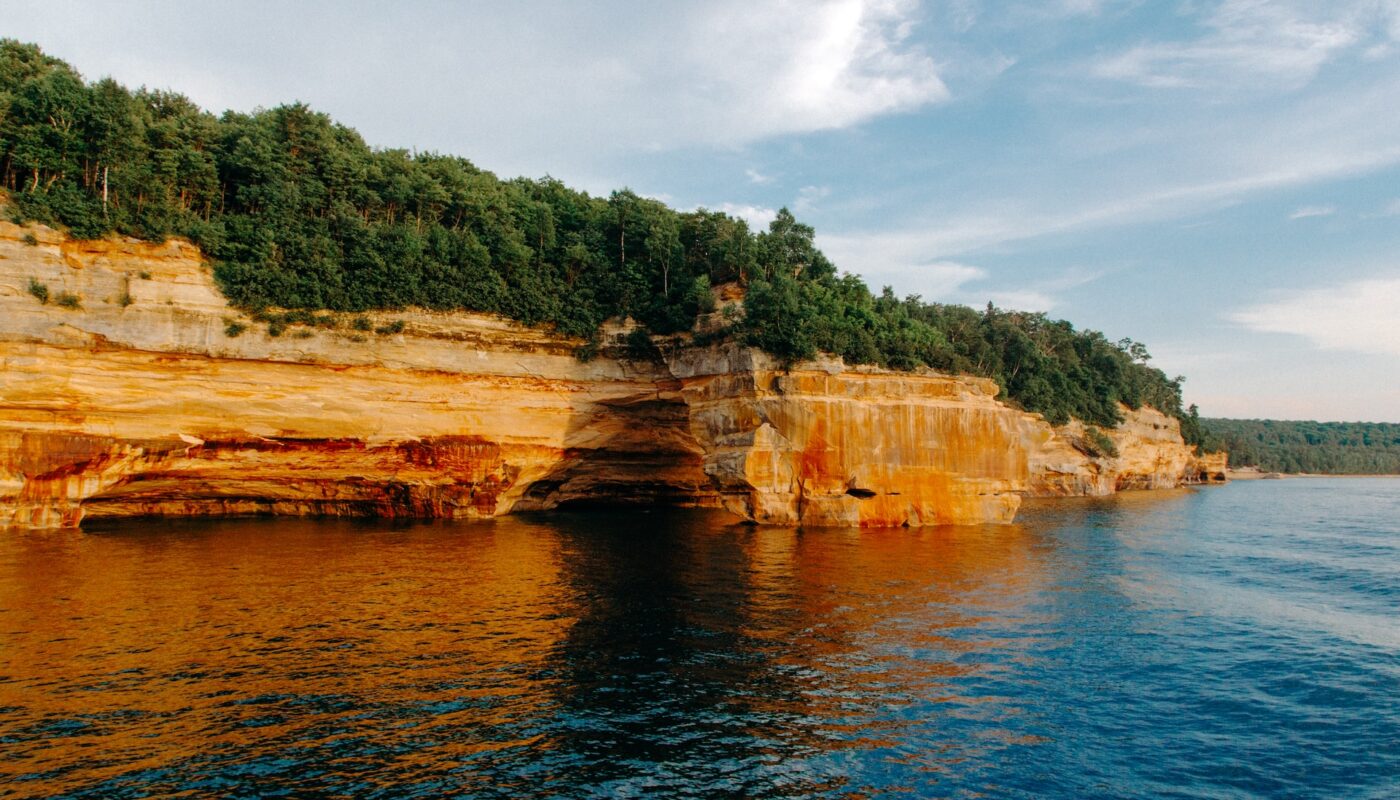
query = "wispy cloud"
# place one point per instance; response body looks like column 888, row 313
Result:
column 962, row 234
column 969, row 284
column 940, row 280
column 1220, row 154
column 808, row 197
column 937, row 280
column 1022, row 300
column 1248, row 42
column 1313, row 211
column 1358, row 316
column 757, row 177
column 1040, row 294
column 1078, row 7
column 758, row 217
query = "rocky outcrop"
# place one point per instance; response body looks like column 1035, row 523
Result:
column 1208, row 468
column 1150, row 454
column 136, row 390
column 825, row 444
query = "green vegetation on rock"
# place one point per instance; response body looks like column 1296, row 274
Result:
column 39, row 289
column 1099, row 444
column 298, row 212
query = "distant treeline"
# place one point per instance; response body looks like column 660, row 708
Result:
column 299, row 212
column 1358, row 448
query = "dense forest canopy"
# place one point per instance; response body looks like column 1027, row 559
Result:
column 298, row 212
column 1353, row 448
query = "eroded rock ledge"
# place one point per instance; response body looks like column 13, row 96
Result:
column 140, row 402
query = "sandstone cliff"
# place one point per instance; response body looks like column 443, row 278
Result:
column 134, row 391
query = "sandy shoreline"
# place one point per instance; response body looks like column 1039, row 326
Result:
column 1255, row 475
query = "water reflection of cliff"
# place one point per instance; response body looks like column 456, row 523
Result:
column 259, row 651
column 749, row 660
column 599, row 652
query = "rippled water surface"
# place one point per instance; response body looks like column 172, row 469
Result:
column 1238, row 641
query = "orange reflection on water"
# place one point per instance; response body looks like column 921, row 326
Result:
column 588, row 644
column 156, row 640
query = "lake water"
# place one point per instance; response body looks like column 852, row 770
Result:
column 1238, row 641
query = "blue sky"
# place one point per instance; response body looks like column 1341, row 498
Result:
column 1219, row 180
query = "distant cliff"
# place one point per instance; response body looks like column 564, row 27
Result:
column 129, row 386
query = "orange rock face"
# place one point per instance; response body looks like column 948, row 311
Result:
column 843, row 447
column 140, row 402
column 827, row 445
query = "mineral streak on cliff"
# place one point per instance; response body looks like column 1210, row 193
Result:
column 139, row 401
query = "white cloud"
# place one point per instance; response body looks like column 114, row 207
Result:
column 958, row 282
column 755, row 176
column 957, row 235
column 1079, row 7
column 949, row 276
column 1249, row 42
column 1313, row 211
column 1359, row 316
column 958, row 15
column 750, row 69
column 937, row 280
column 1041, row 294
column 530, row 87
column 758, row 217
column 841, row 63
column 941, row 279
column 808, row 197
column 1022, row 300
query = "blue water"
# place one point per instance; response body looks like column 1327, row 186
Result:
column 1237, row 641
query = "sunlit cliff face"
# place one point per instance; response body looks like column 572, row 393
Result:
column 861, row 449
column 142, row 397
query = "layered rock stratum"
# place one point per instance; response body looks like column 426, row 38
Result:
column 139, row 394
